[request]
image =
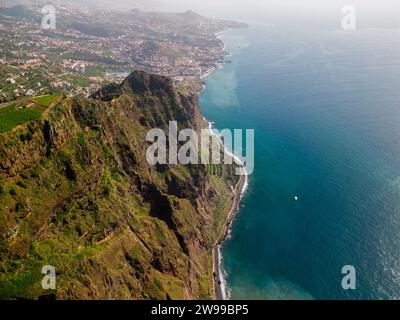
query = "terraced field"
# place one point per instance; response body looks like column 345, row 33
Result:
column 46, row 100
column 20, row 112
column 13, row 115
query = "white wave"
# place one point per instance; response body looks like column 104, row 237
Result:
column 226, row 292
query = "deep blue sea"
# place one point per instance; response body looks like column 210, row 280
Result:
column 325, row 106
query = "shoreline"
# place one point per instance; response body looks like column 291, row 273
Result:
column 219, row 283
column 218, row 65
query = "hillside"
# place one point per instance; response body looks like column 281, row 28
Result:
column 76, row 192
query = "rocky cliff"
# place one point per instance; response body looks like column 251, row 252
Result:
column 77, row 193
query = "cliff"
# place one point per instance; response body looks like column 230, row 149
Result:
column 77, row 193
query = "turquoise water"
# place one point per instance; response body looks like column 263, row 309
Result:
column 325, row 107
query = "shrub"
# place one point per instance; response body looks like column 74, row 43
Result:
column 31, row 129
column 19, row 207
column 80, row 140
column 70, row 170
column 13, row 190
column 35, row 174
column 26, row 137
column 22, row 184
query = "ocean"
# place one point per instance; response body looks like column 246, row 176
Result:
column 325, row 106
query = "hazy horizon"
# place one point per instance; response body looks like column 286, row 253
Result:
column 371, row 14
column 305, row 13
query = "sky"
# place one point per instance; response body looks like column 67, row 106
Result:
column 373, row 12
column 304, row 13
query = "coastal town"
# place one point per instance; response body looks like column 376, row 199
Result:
column 82, row 54
column 88, row 50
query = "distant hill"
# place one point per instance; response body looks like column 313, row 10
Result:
column 146, row 5
column 18, row 11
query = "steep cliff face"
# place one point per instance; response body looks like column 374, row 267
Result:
column 79, row 195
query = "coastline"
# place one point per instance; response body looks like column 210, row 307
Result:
column 219, row 282
column 218, row 65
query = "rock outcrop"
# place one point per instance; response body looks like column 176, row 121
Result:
column 79, row 195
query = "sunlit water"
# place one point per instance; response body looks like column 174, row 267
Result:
column 325, row 107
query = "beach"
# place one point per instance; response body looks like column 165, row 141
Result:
column 239, row 190
column 219, row 281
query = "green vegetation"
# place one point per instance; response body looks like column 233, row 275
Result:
column 1, row 187
column 46, row 100
column 89, row 203
column 13, row 190
column 22, row 184
column 95, row 71
column 80, row 140
column 12, row 116
column 215, row 169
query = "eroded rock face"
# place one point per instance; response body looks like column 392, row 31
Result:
column 81, row 196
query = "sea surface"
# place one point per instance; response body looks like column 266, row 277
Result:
column 325, row 106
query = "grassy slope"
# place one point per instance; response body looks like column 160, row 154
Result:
column 89, row 204
column 23, row 111
column 46, row 100
column 12, row 116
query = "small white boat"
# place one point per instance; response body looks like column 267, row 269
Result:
column 296, row 198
